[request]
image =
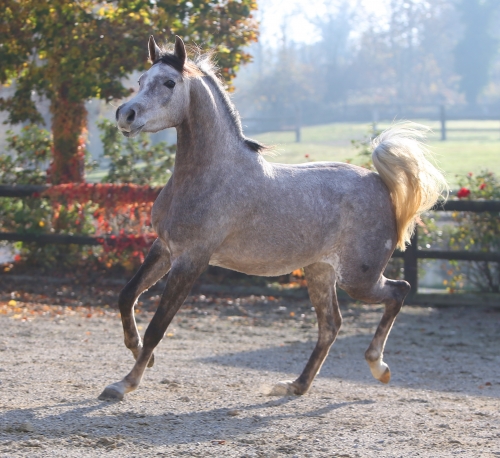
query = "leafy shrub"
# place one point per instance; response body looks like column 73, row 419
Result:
column 31, row 153
column 135, row 160
column 118, row 214
column 477, row 232
column 26, row 165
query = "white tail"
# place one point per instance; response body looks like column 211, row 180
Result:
column 414, row 183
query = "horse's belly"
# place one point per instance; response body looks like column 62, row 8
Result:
column 269, row 261
column 264, row 269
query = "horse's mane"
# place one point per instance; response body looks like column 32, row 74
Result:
column 204, row 66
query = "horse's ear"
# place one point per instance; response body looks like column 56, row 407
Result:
column 180, row 49
column 154, row 50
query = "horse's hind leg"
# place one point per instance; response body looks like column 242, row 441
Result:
column 321, row 287
column 154, row 267
column 392, row 293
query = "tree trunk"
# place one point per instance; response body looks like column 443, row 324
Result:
column 69, row 121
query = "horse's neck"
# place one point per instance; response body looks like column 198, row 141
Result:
column 208, row 136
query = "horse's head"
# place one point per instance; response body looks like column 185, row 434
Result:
column 163, row 97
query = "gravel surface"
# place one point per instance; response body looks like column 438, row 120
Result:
column 208, row 392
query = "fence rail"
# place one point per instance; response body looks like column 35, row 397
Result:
column 22, row 190
column 61, row 239
column 374, row 114
column 410, row 256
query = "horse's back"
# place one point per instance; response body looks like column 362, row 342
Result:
column 329, row 194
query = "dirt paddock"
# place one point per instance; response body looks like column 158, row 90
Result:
column 207, row 394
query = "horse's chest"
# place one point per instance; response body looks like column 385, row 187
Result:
column 181, row 223
column 171, row 211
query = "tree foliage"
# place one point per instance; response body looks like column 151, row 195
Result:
column 135, row 160
column 415, row 53
column 31, row 150
column 69, row 52
column 475, row 51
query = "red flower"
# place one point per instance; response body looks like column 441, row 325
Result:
column 463, row 192
column 470, row 174
column 17, row 258
column 482, row 186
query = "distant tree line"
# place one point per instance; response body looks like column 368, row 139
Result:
column 428, row 52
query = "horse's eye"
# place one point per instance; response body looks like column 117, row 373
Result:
column 170, row 84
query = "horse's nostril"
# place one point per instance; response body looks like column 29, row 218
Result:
column 131, row 116
column 117, row 113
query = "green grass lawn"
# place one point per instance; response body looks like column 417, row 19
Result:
column 96, row 176
column 470, row 146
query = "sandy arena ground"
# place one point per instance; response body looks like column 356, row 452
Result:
column 207, row 394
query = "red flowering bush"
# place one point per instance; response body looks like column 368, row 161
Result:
column 477, row 232
column 117, row 214
column 463, row 192
column 106, row 195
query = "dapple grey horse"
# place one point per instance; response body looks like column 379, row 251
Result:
column 225, row 205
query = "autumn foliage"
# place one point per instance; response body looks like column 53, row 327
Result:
column 68, row 52
column 120, row 215
column 116, row 214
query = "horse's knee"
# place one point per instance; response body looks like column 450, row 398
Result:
column 126, row 299
column 401, row 288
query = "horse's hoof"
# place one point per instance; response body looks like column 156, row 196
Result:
column 380, row 371
column 151, row 361
column 386, row 376
column 112, row 393
column 286, row 388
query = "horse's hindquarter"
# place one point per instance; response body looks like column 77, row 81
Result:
column 297, row 215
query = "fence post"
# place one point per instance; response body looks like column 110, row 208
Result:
column 374, row 121
column 411, row 263
column 298, row 122
column 442, row 115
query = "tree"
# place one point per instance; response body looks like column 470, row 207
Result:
column 333, row 52
column 69, row 52
column 475, row 52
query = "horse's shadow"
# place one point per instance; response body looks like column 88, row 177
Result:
column 422, row 359
column 420, row 356
column 183, row 428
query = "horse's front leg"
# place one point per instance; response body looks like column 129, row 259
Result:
column 184, row 272
column 154, row 267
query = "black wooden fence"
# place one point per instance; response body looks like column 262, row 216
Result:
column 300, row 117
column 413, row 254
column 410, row 256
